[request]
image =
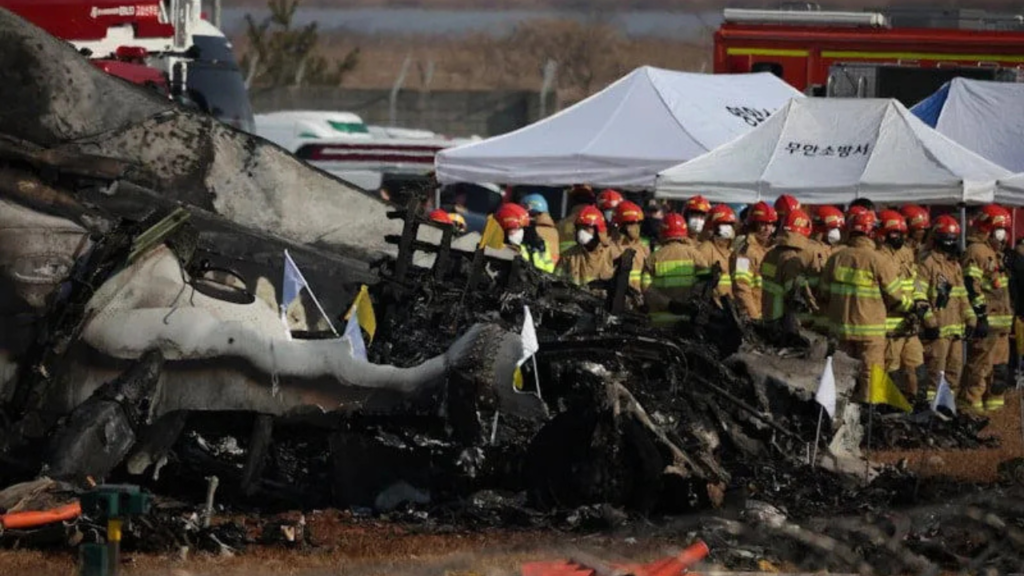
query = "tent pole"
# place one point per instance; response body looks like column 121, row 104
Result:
column 963, row 226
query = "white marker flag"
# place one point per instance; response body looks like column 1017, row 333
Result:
column 826, row 394
column 944, row 395
column 529, row 336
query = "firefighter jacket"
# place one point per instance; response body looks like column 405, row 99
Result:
column 793, row 264
column 747, row 281
column 717, row 251
column 857, row 287
column 548, row 232
column 581, row 266
column 941, row 280
column 984, row 268
column 670, row 274
column 567, row 229
column 541, row 259
column 906, row 268
column 620, row 243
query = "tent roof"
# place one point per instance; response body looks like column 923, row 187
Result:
column 833, row 150
column 983, row 116
column 1010, row 191
column 625, row 134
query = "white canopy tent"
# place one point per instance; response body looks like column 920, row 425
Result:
column 1010, row 191
column 625, row 134
column 833, row 150
column 985, row 117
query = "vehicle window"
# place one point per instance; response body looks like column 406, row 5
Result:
column 349, row 127
column 220, row 91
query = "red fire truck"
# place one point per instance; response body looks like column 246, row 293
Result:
column 904, row 55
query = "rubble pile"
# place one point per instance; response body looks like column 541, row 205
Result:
column 925, row 429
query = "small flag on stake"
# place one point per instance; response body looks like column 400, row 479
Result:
column 882, row 390
column 293, row 283
column 529, row 336
column 493, row 236
column 363, row 308
column 826, row 394
column 944, row 396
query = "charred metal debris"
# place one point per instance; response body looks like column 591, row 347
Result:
column 614, row 421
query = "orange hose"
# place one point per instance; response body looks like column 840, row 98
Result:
column 36, row 518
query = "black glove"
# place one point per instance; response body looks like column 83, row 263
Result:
column 921, row 307
column 981, row 330
column 531, row 239
column 930, row 334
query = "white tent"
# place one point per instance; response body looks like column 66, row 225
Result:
column 625, row 134
column 831, row 150
column 984, row 117
column 1010, row 191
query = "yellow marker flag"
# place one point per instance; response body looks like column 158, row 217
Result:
column 517, row 380
column 363, row 308
column 493, row 236
column 884, row 391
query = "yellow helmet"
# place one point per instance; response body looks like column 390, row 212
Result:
column 458, row 220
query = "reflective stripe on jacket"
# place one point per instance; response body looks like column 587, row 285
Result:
column 641, row 253
column 790, row 265
column 747, row 280
column 934, row 269
column 540, row 260
column 713, row 251
column 581, row 266
column 985, row 266
column 670, row 274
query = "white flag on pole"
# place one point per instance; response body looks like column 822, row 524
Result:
column 355, row 335
column 826, row 394
column 529, row 336
column 944, row 396
column 293, row 283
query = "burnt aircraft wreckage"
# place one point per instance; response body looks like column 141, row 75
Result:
column 140, row 260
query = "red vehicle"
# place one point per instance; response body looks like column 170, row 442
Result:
column 805, row 46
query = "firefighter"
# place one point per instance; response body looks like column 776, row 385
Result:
column 987, row 371
column 829, row 223
column 519, row 236
column 716, row 248
column 537, row 206
column 459, row 221
column 591, row 258
column 440, row 217
column 785, row 204
column 918, row 223
column 671, row 272
column 607, row 201
column 950, row 317
column 578, row 197
column 627, row 219
column 696, row 213
column 745, row 264
column 858, row 286
column 904, row 355
column 789, row 269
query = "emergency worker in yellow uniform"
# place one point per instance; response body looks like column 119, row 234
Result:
column 745, row 265
column 788, row 269
column 720, row 229
column 591, row 258
column 627, row 219
column 904, row 355
column 540, row 217
column 578, row 197
column 696, row 213
column 515, row 221
column 987, row 371
column 940, row 278
column 859, row 285
column 671, row 272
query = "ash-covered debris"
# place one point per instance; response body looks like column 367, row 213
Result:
column 925, row 429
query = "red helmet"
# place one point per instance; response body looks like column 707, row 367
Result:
column 863, row 221
column 673, row 226
column 440, row 216
column 828, row 218
column 917, row 217
column 762, row 213
column 628, row 213
column 512, row 216
column 892, row 221
column 799, row 222
column 608, row 199
column 854, row 210
column 946, row 225
column 785, row 204
column 697, row 203
column 590, row 216
column 721, row 214
column 993, row 216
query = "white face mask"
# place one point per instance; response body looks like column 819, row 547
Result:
column 584, row 237
column 516, row 236
column 834, row 236
column 696, row 224
column 999, row 234
column 726, row 231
